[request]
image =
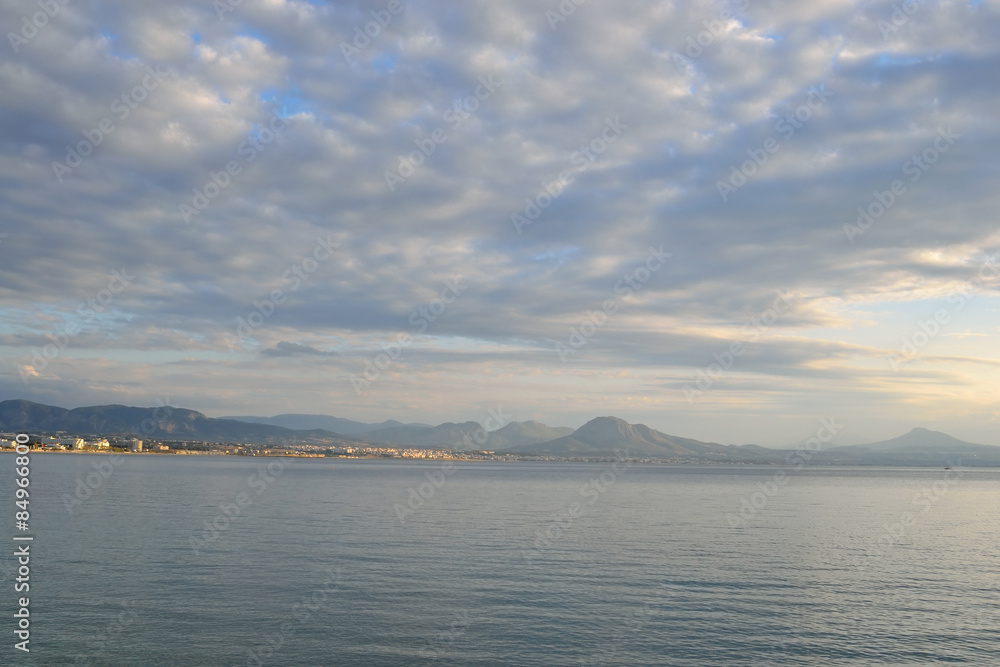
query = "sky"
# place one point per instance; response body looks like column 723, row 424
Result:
column 725, row 220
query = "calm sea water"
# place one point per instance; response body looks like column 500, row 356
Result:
column 503, row 564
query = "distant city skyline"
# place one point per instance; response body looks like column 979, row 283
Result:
column 725, row 221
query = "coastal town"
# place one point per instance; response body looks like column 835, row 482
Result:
column 66, row 443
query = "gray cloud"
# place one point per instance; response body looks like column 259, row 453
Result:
column 350, row 120
column 287, row 349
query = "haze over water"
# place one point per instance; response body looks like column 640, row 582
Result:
column 649, row 570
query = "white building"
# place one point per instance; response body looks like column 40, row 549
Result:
column 135, row 445
column 80, row 443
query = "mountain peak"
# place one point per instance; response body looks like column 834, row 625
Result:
column 606, row 421
column 604, row 427
column 918, row 438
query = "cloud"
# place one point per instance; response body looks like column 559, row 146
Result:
column 286, row 349
column 691, row 122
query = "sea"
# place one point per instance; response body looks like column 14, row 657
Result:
column 223, row 560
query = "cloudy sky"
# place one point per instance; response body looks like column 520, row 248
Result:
column 425, row 209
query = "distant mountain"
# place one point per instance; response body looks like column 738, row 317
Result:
column 601, row 437
column 23, row 414
column 171, row 423
column 604, row 436
column 325, row 422
column 918, row 438
column 920, row 446
column 164, row 423
column 443, row 436
column 517, row 434
column 463, row 436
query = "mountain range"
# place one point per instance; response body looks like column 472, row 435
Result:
column 605, row 435
column 163, row 423
column 600, row 437
column 919, row 447
column 340, row 425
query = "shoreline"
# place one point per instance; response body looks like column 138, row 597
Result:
column 401, row 459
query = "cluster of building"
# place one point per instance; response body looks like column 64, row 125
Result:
column 391, row 452
column 63, row 442
column 368, row 451
column 343, row 451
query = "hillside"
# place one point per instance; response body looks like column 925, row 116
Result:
column 604, row 436
column 443, row 436
column 920, row 446
column 326, row 422
column 517, row 434
column 166, row 423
